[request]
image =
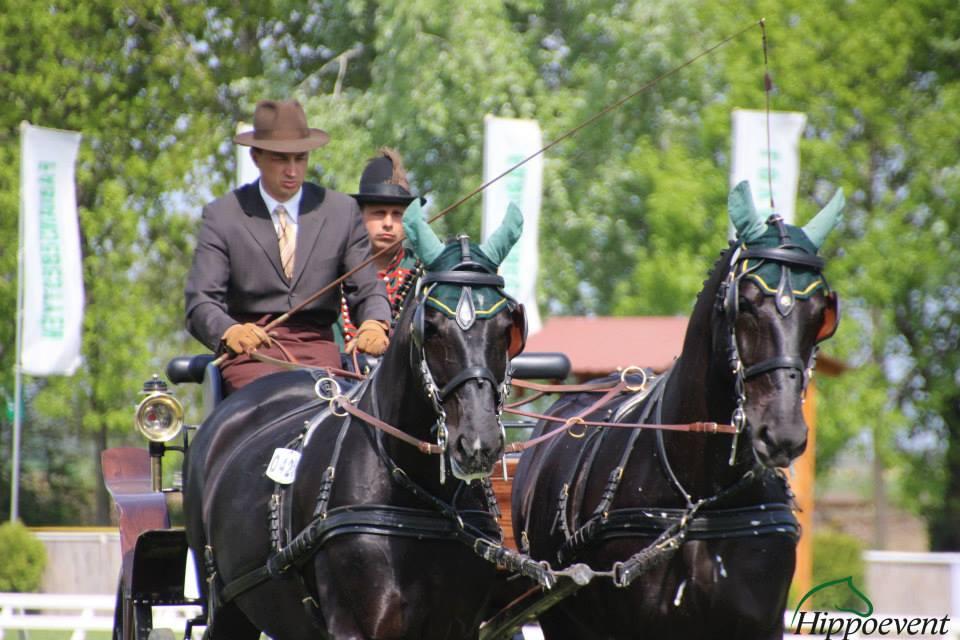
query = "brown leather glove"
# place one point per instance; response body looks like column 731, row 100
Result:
column 371, row 338
column 245, row 338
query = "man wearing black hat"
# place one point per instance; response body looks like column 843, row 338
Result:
column 269, row 245
column 383, row 196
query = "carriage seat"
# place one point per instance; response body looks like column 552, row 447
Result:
column 540, row 365
column 200, row 369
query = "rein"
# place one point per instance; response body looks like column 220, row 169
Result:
column 298, row 366
column 342, row 402
column 692, row 427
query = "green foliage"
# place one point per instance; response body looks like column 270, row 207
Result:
column 149, row 85
column 22, row 558
column 634, row 211
column 836, row 555
column 881, row 104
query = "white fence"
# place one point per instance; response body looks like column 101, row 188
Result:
column 921, row 583
column 77, row 613
column 80, row 560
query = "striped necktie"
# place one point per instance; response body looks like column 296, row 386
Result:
column 288, row 240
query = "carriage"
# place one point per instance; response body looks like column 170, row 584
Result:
column 701, row 504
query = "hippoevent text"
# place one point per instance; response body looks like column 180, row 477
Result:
column 832, row 626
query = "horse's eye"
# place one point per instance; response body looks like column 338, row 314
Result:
column 745, row 305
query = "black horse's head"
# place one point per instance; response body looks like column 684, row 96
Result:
column 464, row 329
column 775, row 307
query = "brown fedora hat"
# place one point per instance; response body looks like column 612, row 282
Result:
column 281, row 125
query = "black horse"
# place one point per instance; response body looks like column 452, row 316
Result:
column 366, row 539
column 696, row 530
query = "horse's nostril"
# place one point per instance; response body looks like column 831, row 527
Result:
column 764, row 432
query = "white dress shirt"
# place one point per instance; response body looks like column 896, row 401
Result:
column 292, row 206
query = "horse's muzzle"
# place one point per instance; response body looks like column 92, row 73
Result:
column 777, row 450
column 472, row 458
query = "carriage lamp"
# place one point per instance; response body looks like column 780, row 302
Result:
column 159, row 415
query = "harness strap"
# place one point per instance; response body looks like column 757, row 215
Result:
column 654, row 401
column 326, row 486
column 787, row 256
column 719, row 524
column 463, row 278
column 569, row 510
column 244, row 583
column 540, row 390
column 585, row 459
column 388, row 520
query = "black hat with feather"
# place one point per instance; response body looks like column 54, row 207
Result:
column 384, row 180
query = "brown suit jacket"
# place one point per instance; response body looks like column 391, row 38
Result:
column 236, row 266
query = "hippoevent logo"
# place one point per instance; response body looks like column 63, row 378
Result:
column 830, row 624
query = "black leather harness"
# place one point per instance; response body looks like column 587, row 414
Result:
column 669, row 527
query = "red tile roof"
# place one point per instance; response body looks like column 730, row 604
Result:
column 599, row 345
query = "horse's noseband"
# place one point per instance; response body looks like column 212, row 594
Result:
column 470, row 373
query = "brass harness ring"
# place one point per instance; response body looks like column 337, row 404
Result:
column 326, row 388
column 631, row 387
column 569, row 426
column 336, row 402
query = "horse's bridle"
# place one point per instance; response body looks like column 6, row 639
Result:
column 466, row 276
column 728, row 296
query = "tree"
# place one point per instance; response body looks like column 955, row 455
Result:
column 154, row 89
column 881, row 103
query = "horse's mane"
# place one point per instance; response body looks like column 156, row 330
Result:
column 703, row 307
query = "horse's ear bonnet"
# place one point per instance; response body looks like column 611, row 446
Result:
column 788, row 280
column 465, row 304
column 753, row 232
column 425, row 243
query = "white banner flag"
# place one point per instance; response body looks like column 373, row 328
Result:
column 782, row 169
column 246, row 171
column 51, row 268
column 506, row 142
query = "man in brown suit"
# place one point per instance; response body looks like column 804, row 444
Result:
column 269, row 245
